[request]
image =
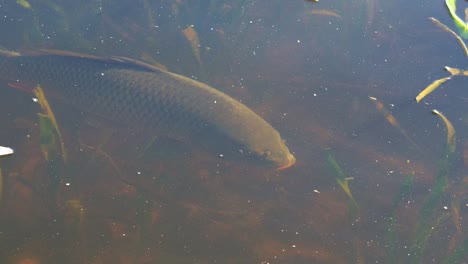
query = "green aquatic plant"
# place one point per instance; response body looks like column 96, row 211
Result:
column 47, row 137
column 425, row 225
column 53, row 149
column 453, row 71
column 342, row 180
column 24, row 4
column 391, row 234
column 459, row 23
column 49, row 129
column 459, row 254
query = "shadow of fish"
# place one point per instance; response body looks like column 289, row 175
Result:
column 134, row 93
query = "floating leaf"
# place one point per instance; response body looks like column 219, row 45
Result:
column 431, row 88
column 24, row 4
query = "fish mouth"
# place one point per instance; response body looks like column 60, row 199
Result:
column 291, row 161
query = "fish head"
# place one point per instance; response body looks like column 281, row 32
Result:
column 278, row 156
column 271, row 150
column 253, row 137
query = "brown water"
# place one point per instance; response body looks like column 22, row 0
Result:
column 119, row 199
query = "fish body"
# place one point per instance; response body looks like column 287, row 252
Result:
column 133, row 93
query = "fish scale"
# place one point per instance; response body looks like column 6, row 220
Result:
column 133, row 93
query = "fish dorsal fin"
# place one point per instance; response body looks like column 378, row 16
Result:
column 42, row 52
column 152, row 67
column 124, row 61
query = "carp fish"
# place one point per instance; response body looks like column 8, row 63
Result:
column 131, row 92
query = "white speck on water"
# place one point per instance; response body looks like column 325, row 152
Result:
column 139, row 172
column 67, row 184
column 5, row 151
column 445, row 207
column 221, row 155
column 298, row 41
column 102, row 74
column 316, row 191
column 35, row 100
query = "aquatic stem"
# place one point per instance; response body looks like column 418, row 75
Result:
column 444, row 27
column 424, row 229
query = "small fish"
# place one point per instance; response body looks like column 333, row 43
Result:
column 133, row 93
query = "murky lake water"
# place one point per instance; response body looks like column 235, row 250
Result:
column 375, row 180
